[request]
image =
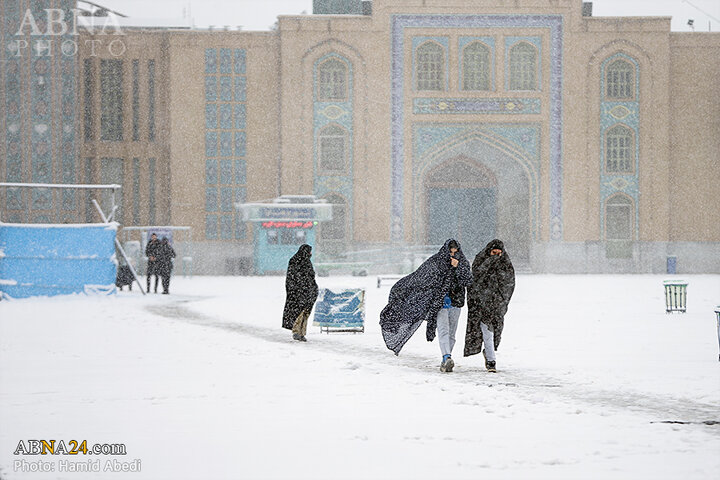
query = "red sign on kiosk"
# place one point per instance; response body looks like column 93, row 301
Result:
column 272, row 224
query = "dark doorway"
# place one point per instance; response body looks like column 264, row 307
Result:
column 461, row 204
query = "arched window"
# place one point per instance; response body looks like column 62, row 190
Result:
column 523, row 67
column 619, row 226
column 618, row 218
column 619, row 150
column 620, row 80
column 332, row 147
column 334, row 230
column 476, row 67
column 332, row 81
column 430, row 66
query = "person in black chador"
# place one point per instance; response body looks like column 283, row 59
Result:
column 488, row 299
column 151, row 252
column 419, row 296
column 301, row 292
column 164, row 265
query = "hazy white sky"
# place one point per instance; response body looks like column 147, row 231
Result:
column 261, row 14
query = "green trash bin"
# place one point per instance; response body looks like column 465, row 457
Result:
column 675, row 296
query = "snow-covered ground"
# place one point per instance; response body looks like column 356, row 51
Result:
column 594, row 379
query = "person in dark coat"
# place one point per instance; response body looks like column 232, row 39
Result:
column 151, row 252
column 449, row 314
column 301, row 291
column 418, row 297
column 488, row 298
column 164, row 265
column 124, row 277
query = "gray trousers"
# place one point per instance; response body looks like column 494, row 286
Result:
column 489, row 342
column 447, row 323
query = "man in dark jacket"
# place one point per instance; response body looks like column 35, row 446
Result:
column 301, row 292
column 418, row 297
column 488, row 299
column 151, row 252
column 449, row 314
column 164, row 265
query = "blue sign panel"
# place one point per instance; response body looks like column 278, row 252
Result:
column 343, row 309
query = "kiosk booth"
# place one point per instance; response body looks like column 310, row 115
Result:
column 281, row 225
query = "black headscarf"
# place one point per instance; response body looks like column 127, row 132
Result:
column 419, row 296
column 300, row 287
column 489, row 296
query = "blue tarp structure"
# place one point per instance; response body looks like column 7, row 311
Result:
column 48, row 260
column 343, row 310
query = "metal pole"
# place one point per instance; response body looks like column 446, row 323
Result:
column 717, row 314
column 117, row 244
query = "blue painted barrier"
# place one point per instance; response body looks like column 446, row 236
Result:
column 48, row 260
column 340, row 310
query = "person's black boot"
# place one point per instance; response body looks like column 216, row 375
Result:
column 490, row 366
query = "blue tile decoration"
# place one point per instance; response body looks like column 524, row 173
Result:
column 239, row 117
column 240, row 144
column 15, row 199
column 477, row 105
column 211, row 144
column 240, row 89
column 211, row 117
column 518, row 141
column 225, row 60
column 240, row 172
column 339, row 113
column 210, row 60
column 226, row 172
column 211, row 89
column 401, row 22
column 37, row 102
column 211, row 199
column 14, row 133
column 225, row 142
column 211, row 172
column 226, row 89
column 42, row 199
column 626, row 113
column 226, row 199
column 226, row 227
column 239, row 62
column 211, row 227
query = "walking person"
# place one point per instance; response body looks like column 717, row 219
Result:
column 301, row 292
column 151, row 252
column 449, row 314
column 488, row 298
column 419, row 296
column 165, row 264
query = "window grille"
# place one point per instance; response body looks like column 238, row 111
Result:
column 430, row 66
column 476, row 67
column 523, row 67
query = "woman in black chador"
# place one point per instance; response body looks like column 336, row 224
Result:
column 164, row 267
column 301, row 292
column 488, row 298
column 419, row 296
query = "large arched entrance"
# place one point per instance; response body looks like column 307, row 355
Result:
column 461, row 202
column 474, row 189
